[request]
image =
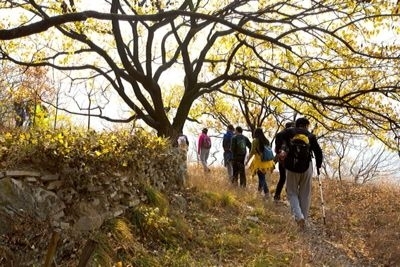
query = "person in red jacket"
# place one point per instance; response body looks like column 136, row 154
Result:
column 203, row 148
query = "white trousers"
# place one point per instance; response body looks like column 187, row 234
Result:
column 298, row 190
column 204, row 154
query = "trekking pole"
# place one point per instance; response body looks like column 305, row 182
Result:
column 322, row 197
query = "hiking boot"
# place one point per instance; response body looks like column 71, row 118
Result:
column 301, row 224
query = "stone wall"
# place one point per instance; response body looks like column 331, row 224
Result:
column 80, row 207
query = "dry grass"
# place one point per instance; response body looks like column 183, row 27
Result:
column 245, row 229
column 364, row 220
column 362, row 224
column 211, row 223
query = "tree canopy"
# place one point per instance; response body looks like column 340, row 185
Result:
column 335, row 61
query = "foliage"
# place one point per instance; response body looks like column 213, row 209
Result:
column 146, row 157
column 335, row 61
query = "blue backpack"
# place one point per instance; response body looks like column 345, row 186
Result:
column 267, row 154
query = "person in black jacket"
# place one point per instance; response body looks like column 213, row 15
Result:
column 281, row 165
column 299, row 171
column 239, row 146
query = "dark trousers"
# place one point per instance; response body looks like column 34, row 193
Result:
column 262, row 182
column 238, row 171
column 281, row 182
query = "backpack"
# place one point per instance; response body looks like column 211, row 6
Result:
column 241, row 145
column 227, row 141
column 206, row 142
column 267, row 154
column 299, row 154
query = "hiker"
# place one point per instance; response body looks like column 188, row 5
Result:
column 263, row 169
column 203, row 148
column 20, row 111
column 226, row 145
column 183, row 143
column 239, row 151
column 281, row 165
column 296, row 146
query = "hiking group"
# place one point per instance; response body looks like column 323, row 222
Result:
column 295, row 146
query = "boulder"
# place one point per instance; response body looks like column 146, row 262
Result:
column 20, row 198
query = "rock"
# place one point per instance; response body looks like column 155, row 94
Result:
column 18, row 197
column 253, row 218
column 31, row 179
column 180, row 202
column 22, row 173
column 54, row 185
column 50, row 177
column 64, row 225
column 88, row 223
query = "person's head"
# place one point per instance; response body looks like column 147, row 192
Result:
column 263, row 141
column 205, row 131
column 239, row 129
column 289, row 124
column 258, row 133
column 230, row 127
column 302, row 122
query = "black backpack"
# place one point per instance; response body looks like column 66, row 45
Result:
column 240, row 145
column 299, row 153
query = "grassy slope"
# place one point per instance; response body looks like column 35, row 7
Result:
column 210, row 223
column 235, row 227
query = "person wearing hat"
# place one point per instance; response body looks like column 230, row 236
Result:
column 299, row 171
column 203, row 148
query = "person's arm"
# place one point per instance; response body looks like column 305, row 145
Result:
column 252, row 150
column 226, row 142
column 278, row 142
column 284, row 138
column 281, row 143
column 233, row 145
column 248, row 144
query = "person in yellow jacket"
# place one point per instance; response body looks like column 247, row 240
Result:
column 263, row 169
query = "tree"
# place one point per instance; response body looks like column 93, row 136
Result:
column 356, row 158
column 321, row 59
